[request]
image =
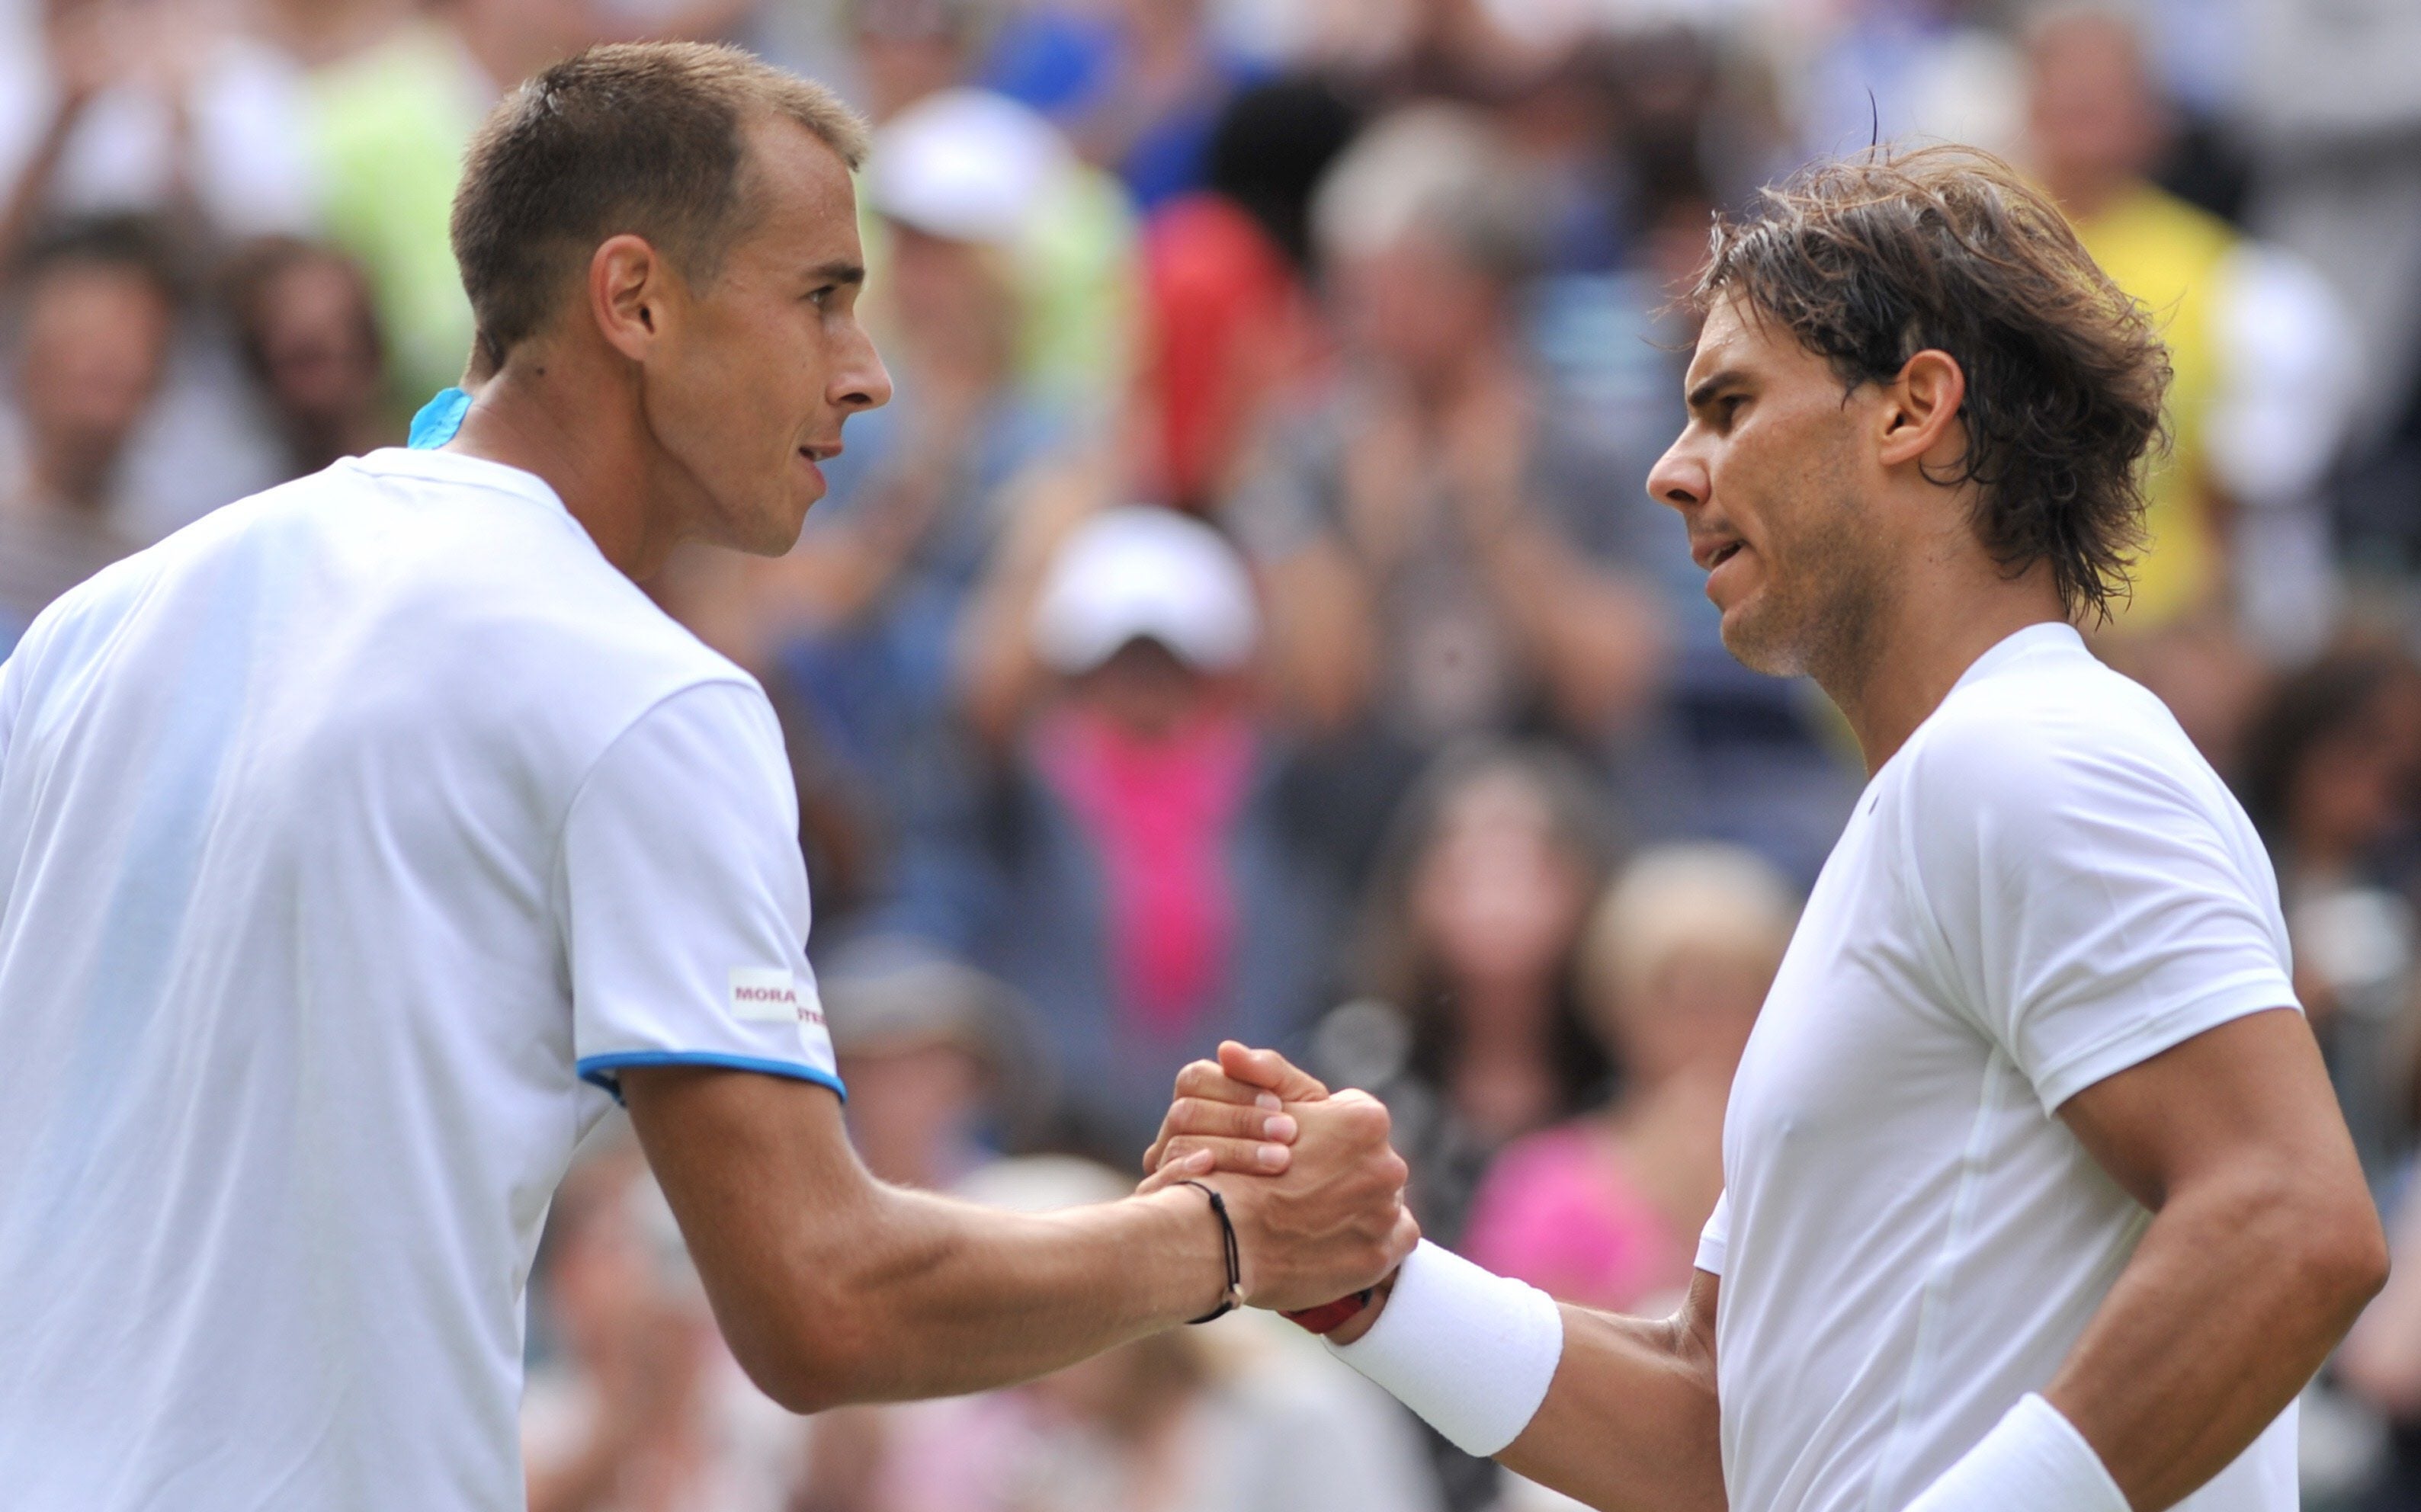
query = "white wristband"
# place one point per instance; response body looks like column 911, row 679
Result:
column 2032, row 1461
column 1472, row 1353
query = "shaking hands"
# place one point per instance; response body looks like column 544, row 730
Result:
column 1315, row 1191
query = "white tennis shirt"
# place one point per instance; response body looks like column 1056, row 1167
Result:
column 351, row 840
column 2045, row 886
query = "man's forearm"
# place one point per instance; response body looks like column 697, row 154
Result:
column 1630, row 1423
column 832, row 1287
column 2235, row 1295
column 956, row 1298
column 1619, row 1412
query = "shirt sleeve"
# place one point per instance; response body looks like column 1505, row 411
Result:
column 683, row 898
column 2095, row 905
column 1716, row 1236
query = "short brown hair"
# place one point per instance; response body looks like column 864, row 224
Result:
column 641, row 137
column 1874, row 259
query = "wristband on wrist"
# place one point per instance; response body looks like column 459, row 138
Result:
column 2033, row 1460
column 1472, row 1353
column 1234, row 1295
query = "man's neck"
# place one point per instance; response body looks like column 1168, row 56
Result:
column 1930, row 632
column 581, row 436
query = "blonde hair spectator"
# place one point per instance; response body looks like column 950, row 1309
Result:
column 1675, row 964
column 1675, row 909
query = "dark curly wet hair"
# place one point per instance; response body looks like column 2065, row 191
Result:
column 1872, row 259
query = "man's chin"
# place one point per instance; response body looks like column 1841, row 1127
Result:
column 1754, row 646
column 764, row 532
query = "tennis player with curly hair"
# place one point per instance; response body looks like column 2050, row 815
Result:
column 2038, row 1199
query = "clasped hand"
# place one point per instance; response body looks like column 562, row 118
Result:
column 1315, row 1191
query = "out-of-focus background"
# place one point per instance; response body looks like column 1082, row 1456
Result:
column 1248, row 620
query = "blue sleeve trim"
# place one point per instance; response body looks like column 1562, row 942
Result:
column 599, row 1070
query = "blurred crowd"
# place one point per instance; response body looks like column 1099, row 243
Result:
column 1249, row 620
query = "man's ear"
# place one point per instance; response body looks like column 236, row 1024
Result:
column 629, row 293
column 1920, row 414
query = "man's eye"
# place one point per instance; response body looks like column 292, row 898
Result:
column 1729, row 407
column 823, row 297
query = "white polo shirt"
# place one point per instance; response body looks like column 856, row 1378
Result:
column 351, row 841
column 2046, row 885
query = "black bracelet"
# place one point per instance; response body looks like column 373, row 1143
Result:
column 1235, row 1293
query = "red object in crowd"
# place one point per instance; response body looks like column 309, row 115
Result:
column 1231, row 328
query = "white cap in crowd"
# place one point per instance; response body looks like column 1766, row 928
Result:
column 1141, row 572
column 966, row 166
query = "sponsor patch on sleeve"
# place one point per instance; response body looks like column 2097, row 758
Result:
column 762, row 995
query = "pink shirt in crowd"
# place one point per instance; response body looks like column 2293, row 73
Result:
column 1559, row 1210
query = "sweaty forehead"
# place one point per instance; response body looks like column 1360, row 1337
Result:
column 1736, row 342
column 1731, row 337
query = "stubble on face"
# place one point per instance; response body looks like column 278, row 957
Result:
column 1826, row 586
column 1827, row 580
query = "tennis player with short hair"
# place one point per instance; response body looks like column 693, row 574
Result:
column 358, row 841
column 2038, row 1199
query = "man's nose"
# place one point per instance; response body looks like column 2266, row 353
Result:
column 864, row 382
column 1679, row 478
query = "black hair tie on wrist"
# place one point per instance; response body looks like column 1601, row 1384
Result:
column 1235, row 1292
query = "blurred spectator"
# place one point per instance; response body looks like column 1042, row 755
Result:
column 1447, row 551
column 909, row 48
column 2330, row 772
column 1270, row 150
column 170, row 116
column 1473, row 1029
column 2379, row 1365
column 1901, row 69
column 2331, row 112
column 311, row 340
column 97, row 307
column 1564, row 129
column 1606, row 1211
column 1461, row 50
column 642, row 1408
column 393, row 98
column 124, row 106
column 1139, row 84
column 936, row 1059
column 2263, row 358
column 971, row 165
column 1131, row 873
column 392, row 106
column 1234, row 1417
column 1233, row 334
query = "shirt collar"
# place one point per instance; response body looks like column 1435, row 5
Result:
column 457, row 468
column 2054, row 637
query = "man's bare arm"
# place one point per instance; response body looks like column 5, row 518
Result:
column 1630, row 1423
column 2263, row 1248
column 834, row 1288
